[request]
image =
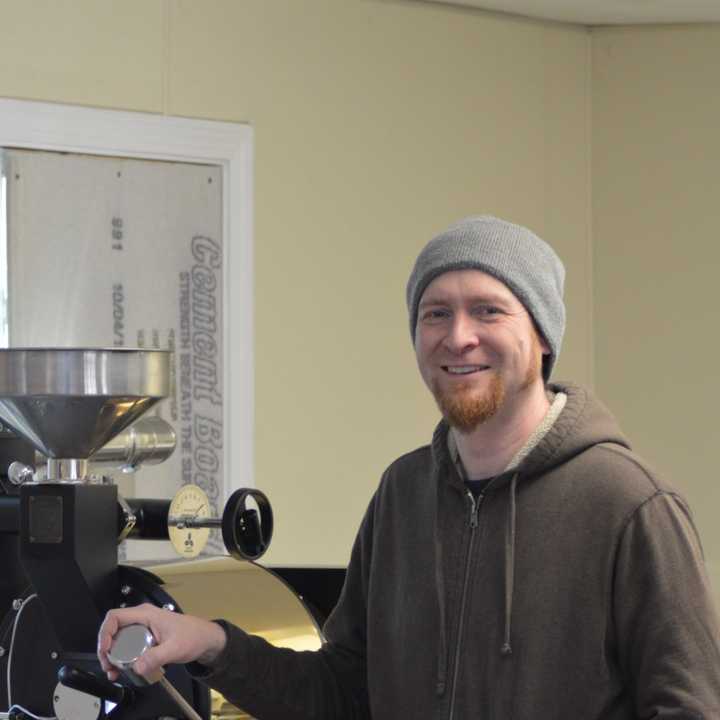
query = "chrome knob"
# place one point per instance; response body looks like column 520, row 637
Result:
column 19, row 473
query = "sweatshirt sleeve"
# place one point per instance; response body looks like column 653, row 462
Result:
column 274, row 683
column 666, row 626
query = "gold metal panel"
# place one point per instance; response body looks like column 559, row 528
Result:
column 246, row 595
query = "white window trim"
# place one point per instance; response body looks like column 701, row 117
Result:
column 66, row 128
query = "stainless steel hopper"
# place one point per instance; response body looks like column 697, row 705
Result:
column 69, row 402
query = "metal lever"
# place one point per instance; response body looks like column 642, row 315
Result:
column 130, row 643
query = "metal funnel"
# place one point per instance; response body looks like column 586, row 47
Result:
column 69, row 402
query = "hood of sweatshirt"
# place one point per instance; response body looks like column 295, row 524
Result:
column 584, row 422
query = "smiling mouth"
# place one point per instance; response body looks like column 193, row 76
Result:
column 464, row 369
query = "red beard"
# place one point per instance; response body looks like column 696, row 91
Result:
column 465, row 407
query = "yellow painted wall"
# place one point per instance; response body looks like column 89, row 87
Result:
column 376, row 123
column 656, row 190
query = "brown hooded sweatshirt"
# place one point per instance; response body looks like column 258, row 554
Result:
column 573, row 589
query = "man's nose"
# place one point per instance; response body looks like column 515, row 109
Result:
column 462, row 334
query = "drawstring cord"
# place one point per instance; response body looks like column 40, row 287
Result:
column 506, row 648
column 442, row 649
column 438, row 446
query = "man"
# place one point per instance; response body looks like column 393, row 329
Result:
column 524, row 565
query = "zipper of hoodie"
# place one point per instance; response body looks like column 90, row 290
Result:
column 474, row 512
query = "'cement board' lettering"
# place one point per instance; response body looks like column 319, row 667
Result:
column 201, row 429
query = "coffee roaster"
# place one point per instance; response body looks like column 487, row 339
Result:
column 69, row 413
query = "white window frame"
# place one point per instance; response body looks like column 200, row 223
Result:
column 68, row 128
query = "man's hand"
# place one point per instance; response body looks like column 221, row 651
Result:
column 180, row 638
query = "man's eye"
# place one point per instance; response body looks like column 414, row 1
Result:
column 487, row 310
column 435, row 315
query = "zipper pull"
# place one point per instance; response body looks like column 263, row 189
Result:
column 474, row 507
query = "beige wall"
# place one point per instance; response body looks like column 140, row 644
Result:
column 656, row 190
column 376, row 123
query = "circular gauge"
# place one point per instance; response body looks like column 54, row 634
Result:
column 189, row 504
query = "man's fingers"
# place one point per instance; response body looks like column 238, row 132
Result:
column 150, row 664
column 107, row 631
column 142, row 614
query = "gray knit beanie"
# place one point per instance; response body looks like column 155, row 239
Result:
column 510, row 253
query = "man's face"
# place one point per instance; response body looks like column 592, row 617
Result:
column 476, row 347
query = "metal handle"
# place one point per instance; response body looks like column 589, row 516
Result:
column 182, row 522
column 92, row 684
column 181, row 702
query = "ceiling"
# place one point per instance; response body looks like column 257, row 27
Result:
column 603, row 12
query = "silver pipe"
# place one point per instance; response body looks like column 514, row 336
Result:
column 149, row 441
